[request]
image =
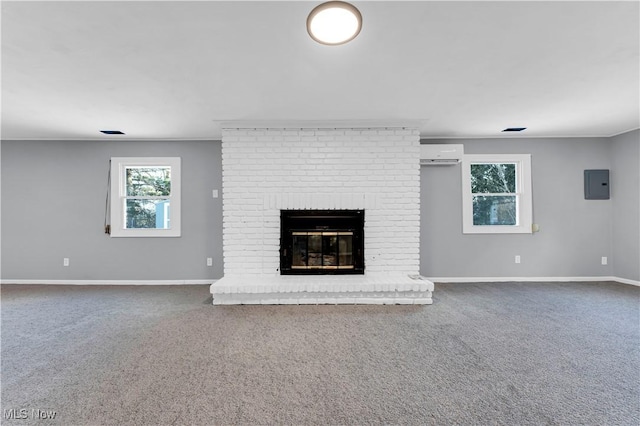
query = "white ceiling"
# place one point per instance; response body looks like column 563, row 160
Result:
column 180, row 70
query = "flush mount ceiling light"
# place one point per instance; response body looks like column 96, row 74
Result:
column 334, row 23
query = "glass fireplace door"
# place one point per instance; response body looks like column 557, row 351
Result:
column 322, row 250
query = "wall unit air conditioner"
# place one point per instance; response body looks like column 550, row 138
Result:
column 441, row 154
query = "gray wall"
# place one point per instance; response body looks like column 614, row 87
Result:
column 574, row 233
column 53, row 201
column 625, row 193
column 53, row 195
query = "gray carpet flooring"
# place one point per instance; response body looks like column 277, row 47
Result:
column 482, row 354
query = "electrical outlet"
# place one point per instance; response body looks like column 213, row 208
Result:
column 65, row 261
column 517, row 258
column 214, row 192
column 604, row 260
column 209, row 261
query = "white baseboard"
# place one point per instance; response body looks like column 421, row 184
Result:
column 627, row 281
column 109, row 282
column 211, row 281
column 528, row 279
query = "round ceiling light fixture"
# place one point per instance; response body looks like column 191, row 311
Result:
column 334, row 23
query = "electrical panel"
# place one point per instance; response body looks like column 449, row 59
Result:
column 596, row 184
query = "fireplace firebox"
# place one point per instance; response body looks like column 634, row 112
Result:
column 321, row 242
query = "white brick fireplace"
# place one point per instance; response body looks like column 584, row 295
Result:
column 266, row 170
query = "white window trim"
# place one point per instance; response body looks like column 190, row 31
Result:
column 118, row 192
column 523, row 191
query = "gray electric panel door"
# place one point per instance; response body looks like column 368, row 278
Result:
column 596, row 184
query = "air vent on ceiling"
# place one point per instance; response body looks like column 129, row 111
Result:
column 112, row 132
column 514, row 129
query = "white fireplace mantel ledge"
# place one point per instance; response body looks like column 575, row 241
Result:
column 321, row 124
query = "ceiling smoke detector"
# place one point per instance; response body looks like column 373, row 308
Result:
column 334, row 23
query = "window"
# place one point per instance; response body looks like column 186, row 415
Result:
column 145, row 197
column 496, row 191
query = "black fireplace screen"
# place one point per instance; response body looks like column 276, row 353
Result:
column 322, row 242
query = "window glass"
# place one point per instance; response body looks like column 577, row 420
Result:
column 147, row 214
column 494, row 181
column 148, row 181
column 146, row 202
column 493, row 178
column 494, row 210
